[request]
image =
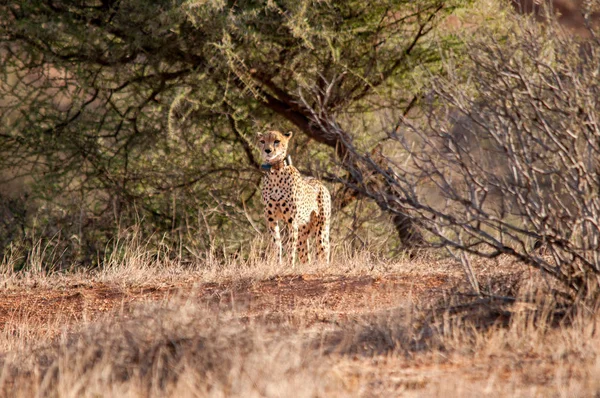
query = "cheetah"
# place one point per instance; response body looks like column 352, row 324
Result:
column 301, row 203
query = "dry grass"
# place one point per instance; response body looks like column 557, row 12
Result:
column 148, row 326
column 175, row 349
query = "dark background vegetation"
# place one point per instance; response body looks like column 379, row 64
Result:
column 477, row 136
column 118, row 113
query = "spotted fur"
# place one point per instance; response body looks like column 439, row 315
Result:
column 301, row 203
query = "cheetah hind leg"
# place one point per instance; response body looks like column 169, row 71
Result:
column 322, row 226
column 322, row 242
column 303, row 247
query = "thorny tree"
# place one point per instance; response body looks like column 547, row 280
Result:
column 506, row 159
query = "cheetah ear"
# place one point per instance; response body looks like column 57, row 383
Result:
column 288, row 134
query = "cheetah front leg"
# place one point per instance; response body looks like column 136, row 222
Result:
column 291, row 215
column 274, row 229
column 294, row 242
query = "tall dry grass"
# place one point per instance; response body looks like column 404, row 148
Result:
column 176, row 349
column 135, row 261
column 180, row 348
column 426, row 344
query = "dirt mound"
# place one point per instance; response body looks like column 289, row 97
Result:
column 324, row 295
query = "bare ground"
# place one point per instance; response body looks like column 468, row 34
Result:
column 325, row 296
column 341, row 334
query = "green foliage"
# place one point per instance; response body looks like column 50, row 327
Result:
column 133, row 112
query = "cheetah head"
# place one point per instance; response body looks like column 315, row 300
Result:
column 273, row 145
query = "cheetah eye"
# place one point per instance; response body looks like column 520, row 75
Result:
column 277, row 142
column 262, row 141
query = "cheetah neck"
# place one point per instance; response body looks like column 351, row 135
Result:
column 274, row 166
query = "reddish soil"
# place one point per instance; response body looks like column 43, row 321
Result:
column 336, row 293
column 70, row 304
column 341, row 296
